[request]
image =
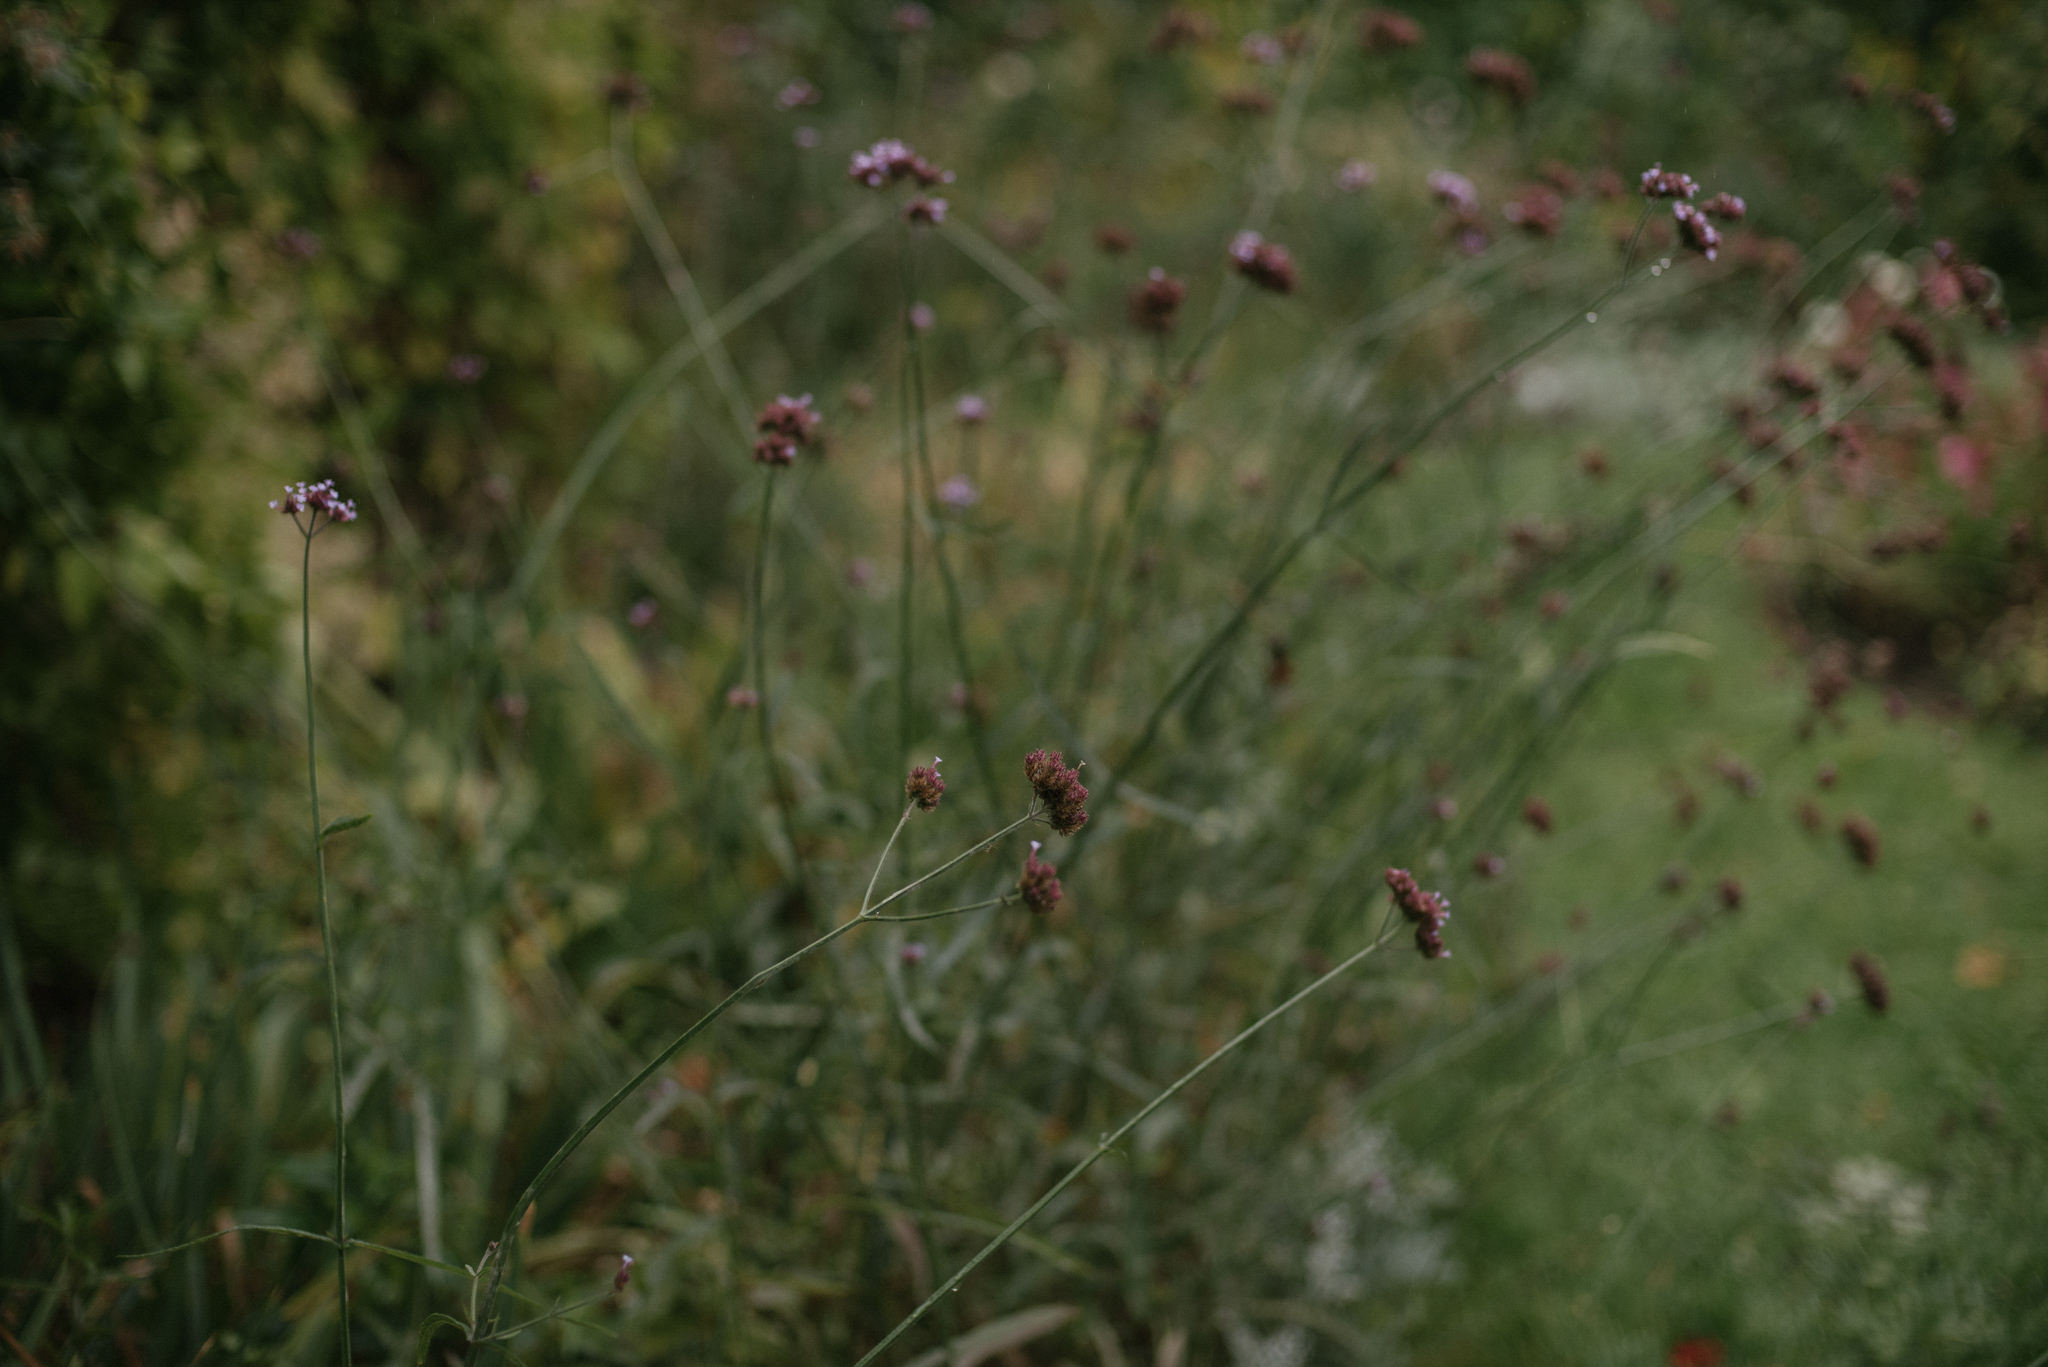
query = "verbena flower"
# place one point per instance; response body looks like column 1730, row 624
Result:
column 1454, row 191
column 1726, row 207
column 1860, row 835
column 1386, row 30
column 925, row 787
column 1040, row 884
column 1155, row 305
column 1659, row 183
column 1503, row 71
column 1426, row 910
column 925, row 210
column 315, row 500
column 1265, row 264
column 1059, row 789
column 889, row 161
column 1698, row 234
column 785, row 426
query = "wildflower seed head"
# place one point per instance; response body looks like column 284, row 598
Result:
column 1265, row 264
column 1871, row 981
column 1503, row 71
column 888, row 162
column 1659, row 183
column 1155, row 305
column 924, row 786
column 1040, row 883
column 1698, row 234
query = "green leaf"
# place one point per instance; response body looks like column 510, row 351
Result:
column 344, row 823
column 434, row 1322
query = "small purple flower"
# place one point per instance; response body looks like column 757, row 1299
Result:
column 314, row 500
column 1726, row 207
column 1059, row 789
column 860, row 572
column 1263, row 48
column 641, row 615
column 924, row 787
column 624, row 1274
column 1355, row 175
column 925, row 210
column 797, row 94
column 1454, row 191
column 806, row 137
column 972, row 410
column 1699, row 234
column 1659, row 183
column 922, row 317
column 467, row 367
column 889, row 161
column 1040, row 884
column 913, row 954
column 1156, row 304
column 959, row 493
column 785, row 425
column 1265, row 264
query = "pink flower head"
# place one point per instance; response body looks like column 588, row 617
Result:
column 1659, row 183
column 1453, row 191
column 1040, row 883
column 1265, row 264
column 314, row 500
column 972, row 410
column 1700, row 235
column 890, row 161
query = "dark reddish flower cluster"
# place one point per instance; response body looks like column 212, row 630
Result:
column 624, row 1275
column 1155, row 305
column 1059, row 788
column 1538, row 211
column 1265, row 264
column 785, row 425
column 1861, row 837
column 314, row 499
column 1537, row 813
column 1427, row 910
column 1114, row 238
column 1387, row 30
column 1870, row 980
column 889, row 161
column 1503, row 71
column 1659, row 183
column 1700, row 235
column 1726, row 207
column 925, row 210
column 1696, row 1353
column 1040, row 884
column 1929, row 106
column 925, row 787
column 1914, row 339
column 1180, row 28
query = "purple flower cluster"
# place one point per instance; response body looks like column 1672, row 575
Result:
column 1040, row 884
column 1156, row 304
column 1265, row 264
column 785, row 425
column 1427, row 910
column 314, row 499
column 1659, row 183
column 889, row 161
column 926, row 211
column 1454, row 192
column 1699, row 234
column 1059, row 788
column 1503, row 71
column 925, row 787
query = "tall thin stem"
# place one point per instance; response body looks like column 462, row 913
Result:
column 1111, row 1140
column 785, row 803
column 327, row 948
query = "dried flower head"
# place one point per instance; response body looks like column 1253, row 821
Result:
column 1059, row 789
column 1155, row 305
column 1040, row 883
column 890, row 161
column 314, row 500
column 924, row 786
column 1697, row 233
column 1386, row 30
column 1871, row 981
column 1502, row 71
column 1265, row 264
column 1659, row 183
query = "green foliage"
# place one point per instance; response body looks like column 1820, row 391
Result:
column 518, row 276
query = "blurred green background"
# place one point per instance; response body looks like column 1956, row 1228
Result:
column 1632, row 621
